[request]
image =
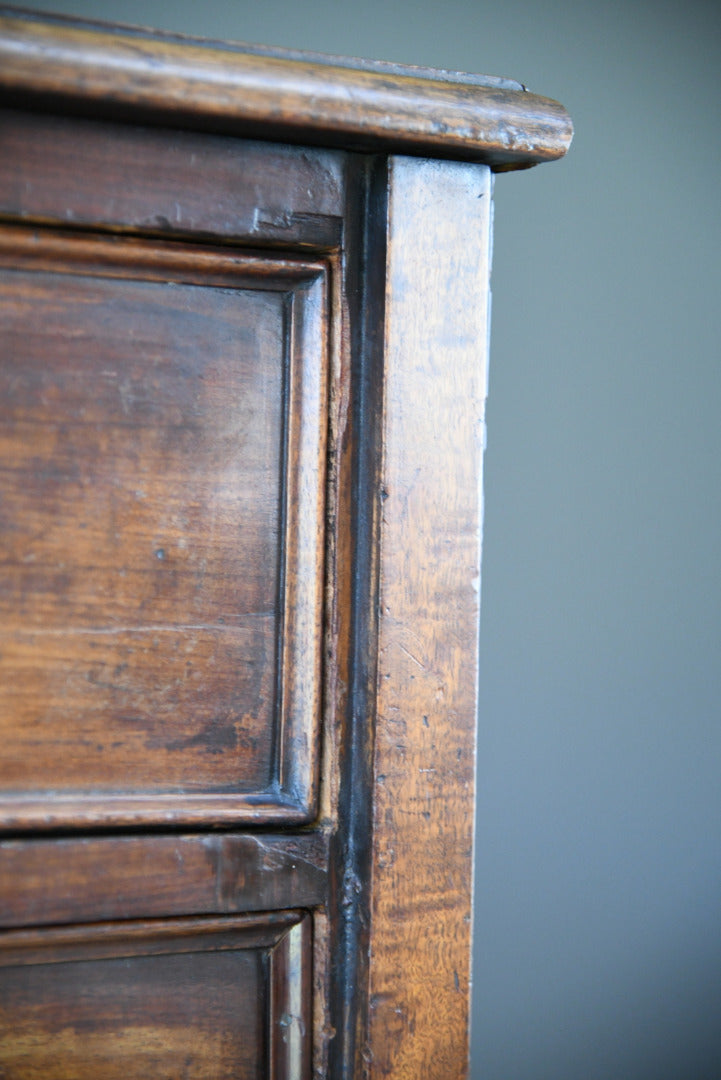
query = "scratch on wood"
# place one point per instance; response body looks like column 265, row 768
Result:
column 412, row 657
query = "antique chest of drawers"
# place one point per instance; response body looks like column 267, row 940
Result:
column 244, row 316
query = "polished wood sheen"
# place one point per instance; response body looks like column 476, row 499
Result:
column 283, row 95
column 243, row 350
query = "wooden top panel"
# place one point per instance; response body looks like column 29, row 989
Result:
column 288, row 96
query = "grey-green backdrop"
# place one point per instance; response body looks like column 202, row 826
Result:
column 598, row 886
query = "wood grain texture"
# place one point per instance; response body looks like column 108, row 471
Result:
column 325, row 59
column 94, row 1002
column 62, row 881
column 285, row 98
column 75, row 171
column 429, row 575
column 162, row 439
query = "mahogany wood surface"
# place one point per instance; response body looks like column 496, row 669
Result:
column 284, row 97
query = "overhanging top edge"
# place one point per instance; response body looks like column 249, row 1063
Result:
column 276, row 93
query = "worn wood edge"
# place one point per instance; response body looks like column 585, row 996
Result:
column 336, row 629
column 251, row 92
column 43, row 247
column 49, row 177
column 358, row 564
column 300, row 644
column 114, row 940
column 144, row 877
column 354, row 62
column 113, row 810
column 290, row 1028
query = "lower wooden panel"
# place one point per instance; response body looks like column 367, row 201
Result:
column 192, row 998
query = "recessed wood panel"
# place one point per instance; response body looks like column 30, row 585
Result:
column 157, row 407
column 185, row 998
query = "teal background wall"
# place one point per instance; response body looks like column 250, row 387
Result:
column 598, row 889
